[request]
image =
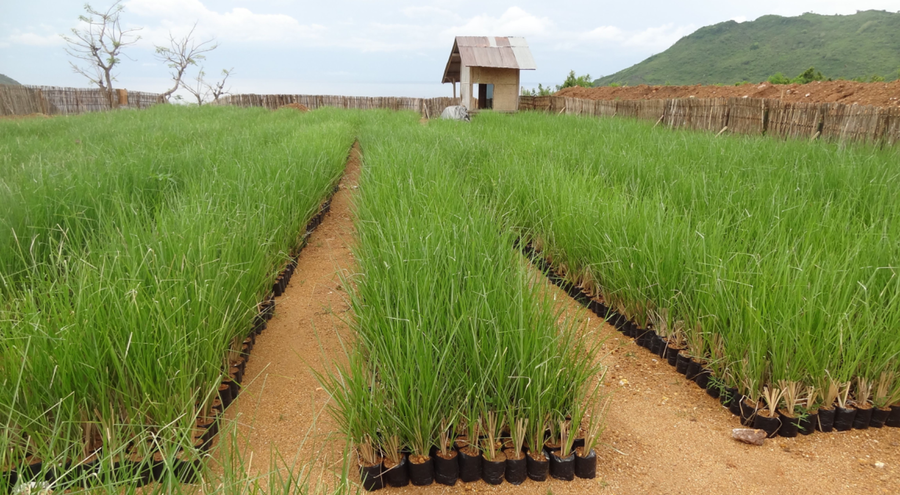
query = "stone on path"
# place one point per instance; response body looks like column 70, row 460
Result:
column 749, row 435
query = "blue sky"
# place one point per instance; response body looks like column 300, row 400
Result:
column 368, row 48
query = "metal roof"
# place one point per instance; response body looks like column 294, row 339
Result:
column 504, row 52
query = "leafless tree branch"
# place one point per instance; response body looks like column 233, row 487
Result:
column 99, row 45
column 181, row 54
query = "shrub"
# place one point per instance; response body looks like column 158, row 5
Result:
column 572, row 80
column 779, row 78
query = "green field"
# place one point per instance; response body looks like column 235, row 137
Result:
column 136, row 246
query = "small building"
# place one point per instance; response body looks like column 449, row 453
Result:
column 493, row 64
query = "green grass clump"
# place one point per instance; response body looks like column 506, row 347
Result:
column 773, row 262
column 456, row 335
column 134, row 248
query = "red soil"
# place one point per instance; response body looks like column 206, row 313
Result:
column 296, row 106
column 847, row 92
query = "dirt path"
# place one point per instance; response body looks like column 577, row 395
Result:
column 664, row 434
column 281, row 408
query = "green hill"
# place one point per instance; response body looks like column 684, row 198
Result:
column 848, row 46
column 8, row 80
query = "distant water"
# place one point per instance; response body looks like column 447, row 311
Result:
column 411, row 89
column 288, row 86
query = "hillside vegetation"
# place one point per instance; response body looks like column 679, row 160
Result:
column 851, row 46
column 8, row 80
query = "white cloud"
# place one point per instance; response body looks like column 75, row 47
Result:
column 603, row 33
column 739, row 19
column 239, row 24
column 513, row 22
column 33, row 39
column 429, row 12
column 658, row 38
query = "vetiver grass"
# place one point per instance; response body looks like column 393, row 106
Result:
column 453, row 325
column 776, row 260
column 135, row 248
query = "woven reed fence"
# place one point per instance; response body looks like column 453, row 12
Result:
column 428, row 107
column 832, row 121
column 51, row 100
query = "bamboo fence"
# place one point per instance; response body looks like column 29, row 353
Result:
column 51, row 100
column 754, row 116
column 427, row 107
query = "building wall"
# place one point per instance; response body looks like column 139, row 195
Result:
column 506, row 86
column 465, row 87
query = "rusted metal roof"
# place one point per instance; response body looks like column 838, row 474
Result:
column 506, row 52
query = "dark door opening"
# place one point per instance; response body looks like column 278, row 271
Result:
column 485, row 96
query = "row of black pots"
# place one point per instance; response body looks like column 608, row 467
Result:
column 283, row 278
column 461, row 465
column 824, row 420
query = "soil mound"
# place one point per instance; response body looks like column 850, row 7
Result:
column 296, row 106
column 846, row 92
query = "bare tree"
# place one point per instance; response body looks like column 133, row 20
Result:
column 100, row 45
column 181, row 54
column 218, row 89
column 203, row 90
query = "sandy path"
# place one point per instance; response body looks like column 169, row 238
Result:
column 281, row 408
column 664, row 434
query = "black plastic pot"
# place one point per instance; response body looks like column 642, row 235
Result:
column 879, row 417
column 693, row 369
column 663, row 347
column 825, row 420
column 538, row 470
column 843, row 418
column 586, row 467
column 492, row 471
column 8, row 480
column 631, row 330
column 235, row 388
column 396, row 476
column 728, row 395
column 225, row 394
column 893, row 419
column 516, row 469
column 446, row 471
column 237, row 374
column 137, row 473
column 562, row 468
column 681, row 365
column 422, row 473
column 808, row 424
column 645, row 338
column 770, row 425
column 713, row 387
column 789, row 426
column 371, row 478
column 748, row 413
column 616, row 320
column 187, row 471
column 672, row 355
column 469, row 466
column 862, row 419
column 702, row 378
column 735, row 405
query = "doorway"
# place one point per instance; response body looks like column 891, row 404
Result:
column 485, row 96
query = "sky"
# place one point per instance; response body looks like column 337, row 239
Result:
column 369, row 48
